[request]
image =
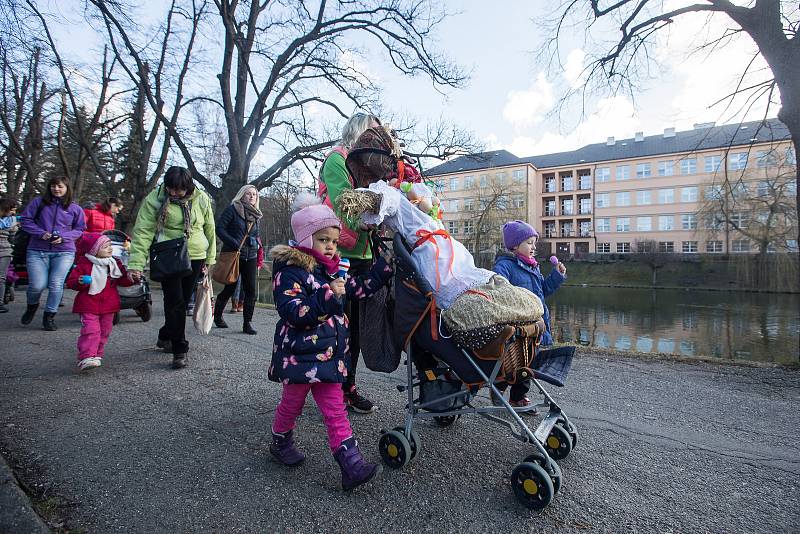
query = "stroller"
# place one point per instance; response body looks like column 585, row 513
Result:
column 448, row 378
column 136, row 297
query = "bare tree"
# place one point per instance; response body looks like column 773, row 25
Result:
column 280, row 64
column 646, row 252
column 619, row 65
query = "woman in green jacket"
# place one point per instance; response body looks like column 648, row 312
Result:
column 174, row 209
column 335, row 178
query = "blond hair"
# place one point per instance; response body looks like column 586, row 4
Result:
column 355, row 126
column 244, row 189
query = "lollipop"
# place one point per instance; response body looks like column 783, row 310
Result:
column 553, row 260
column 344, row 266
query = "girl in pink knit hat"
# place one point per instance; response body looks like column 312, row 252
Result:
column 95, row 277
column 311, row 350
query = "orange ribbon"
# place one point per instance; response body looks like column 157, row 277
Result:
column 427, row 235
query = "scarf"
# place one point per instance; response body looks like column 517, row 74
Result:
column 530, row 260
column 248, row 212
column 331, row 265
column 185, row 204
column 101, row 269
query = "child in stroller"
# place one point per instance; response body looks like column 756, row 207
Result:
column 136, row 297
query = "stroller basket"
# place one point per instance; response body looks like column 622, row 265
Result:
column 449, row 379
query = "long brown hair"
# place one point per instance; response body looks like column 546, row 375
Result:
column 48, row 197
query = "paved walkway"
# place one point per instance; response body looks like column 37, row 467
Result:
column 664, row 446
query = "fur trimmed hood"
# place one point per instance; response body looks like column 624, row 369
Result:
column 286, row 255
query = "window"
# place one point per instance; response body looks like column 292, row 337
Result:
column 566, row 229
column 767, row 158
column 666, row 168
column 642, row 198
column 502, row 202
column 585, row 181
column 688, row 165
column 469, row 204
column 689, row 221
column 791, row 245
column 644, row 224
column 714, row 246
column 740, row 219
column 714, row 192
column 623, row 198
column 689, row 247
column 739, row 191
column 623, row 248
column 666, row 196
column 550, row 184
column 762, row 189
column 550, row 208
column 550, row 229
column 454, row 206
column 567, row 182
column 713, row 163
column 469, row 227
column 643, row 170
column 667, row 247
column 603, row 174
column 567, row 206
column 500, row 177
column 483, row 179
column 518, row 176
column 689, row 194
column 604, row 248
column 623, row 224
column 665, row 223
column 602, row 200
column 452, row 227
column 791, row 157
column 623, row 172
column 602, row 225
column 585, row 205
column 469, row 182
column 713, row 222
column 740, row 245
column 519, row 201
column 453, row 184
column 585, row 228
column 738, row 161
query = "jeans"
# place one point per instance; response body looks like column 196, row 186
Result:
column 177, row 292
column 47, row 270
column 352, row 308
column 329, row 399
column 247, row 277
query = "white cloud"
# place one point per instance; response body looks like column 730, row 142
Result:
column 573, row 69
column 524, row 108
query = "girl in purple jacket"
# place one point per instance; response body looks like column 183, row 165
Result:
column 54, row 223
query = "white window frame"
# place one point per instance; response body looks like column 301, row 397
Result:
column 623, row 224
column 644, row 170
column 714, row 247
column 643, row 198
column 666, row 168
column 602, row 200
column 623, row 173
column 602, row 174
column 622, row 198
column 624, row 247
column 689, row 247
column 666, row 196
column 644, row 227
column 737, row 161
column 603, row 224
column 712, row 163
column 688, row 166
column 666, row 223
column 604, row 248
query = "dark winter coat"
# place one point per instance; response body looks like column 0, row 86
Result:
column 312, row 336
column 520, row 274
column 231, row 228
column 69, row 222
column 107, row 301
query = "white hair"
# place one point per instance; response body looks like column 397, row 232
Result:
column 355, row 126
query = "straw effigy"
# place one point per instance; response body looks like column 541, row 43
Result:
column 352, row 204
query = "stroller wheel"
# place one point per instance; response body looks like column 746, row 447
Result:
column 532, row 485
column 551, row 467
column 416, row 444
column 143, row 311
column 571, row 430
column 446, row 420
column 558, row 444
column 395, row 449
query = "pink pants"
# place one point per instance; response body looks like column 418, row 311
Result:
column 329, row 398
column 95, row 330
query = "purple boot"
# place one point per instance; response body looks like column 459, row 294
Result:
column 355, row 470
column 284, row 449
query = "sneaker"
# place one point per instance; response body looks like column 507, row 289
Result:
column 87, row 364
column 190, row 311
column 165, row 344
column 495, row 399
column 524, row 402
column 357, row 403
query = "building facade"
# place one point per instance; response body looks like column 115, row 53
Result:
column 713, row 189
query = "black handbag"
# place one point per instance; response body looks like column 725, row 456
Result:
column 169, row 259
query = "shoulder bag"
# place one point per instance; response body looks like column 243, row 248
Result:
column 226, row 270
column 170, row 258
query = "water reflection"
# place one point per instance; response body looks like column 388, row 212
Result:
column 729, row 325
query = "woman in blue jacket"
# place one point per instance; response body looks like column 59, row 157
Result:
column 518, row 265
column 238, row 225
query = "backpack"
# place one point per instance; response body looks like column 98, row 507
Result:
column 347, row 237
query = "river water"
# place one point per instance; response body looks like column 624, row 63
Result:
column 718, row 324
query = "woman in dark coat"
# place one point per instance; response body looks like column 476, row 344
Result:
column 238, row 225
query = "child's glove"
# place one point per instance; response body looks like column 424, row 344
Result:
column 86, row 279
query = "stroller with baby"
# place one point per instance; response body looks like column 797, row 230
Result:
column 449, row 378
column 136, row 297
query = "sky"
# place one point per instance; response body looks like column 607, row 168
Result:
column 509, row 100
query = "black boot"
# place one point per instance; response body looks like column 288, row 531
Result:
column 355, row 469
column 27, row 317
column 249, row 308
column 248, row 329
column 179, row 360
column 49, row 321
column 219, row 322
column 284, row 449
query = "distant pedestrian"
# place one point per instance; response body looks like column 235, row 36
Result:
column 518, row 264
column 95, row 277
column 8, row 227
column 237, row 228
column 54, row 223
column 103, row 215
column 310, row 350
column 173, row 210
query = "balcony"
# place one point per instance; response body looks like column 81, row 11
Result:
column 549, row 212
column 550, row 232
column 565, row 232
column 585, row 211
column 565, row 212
